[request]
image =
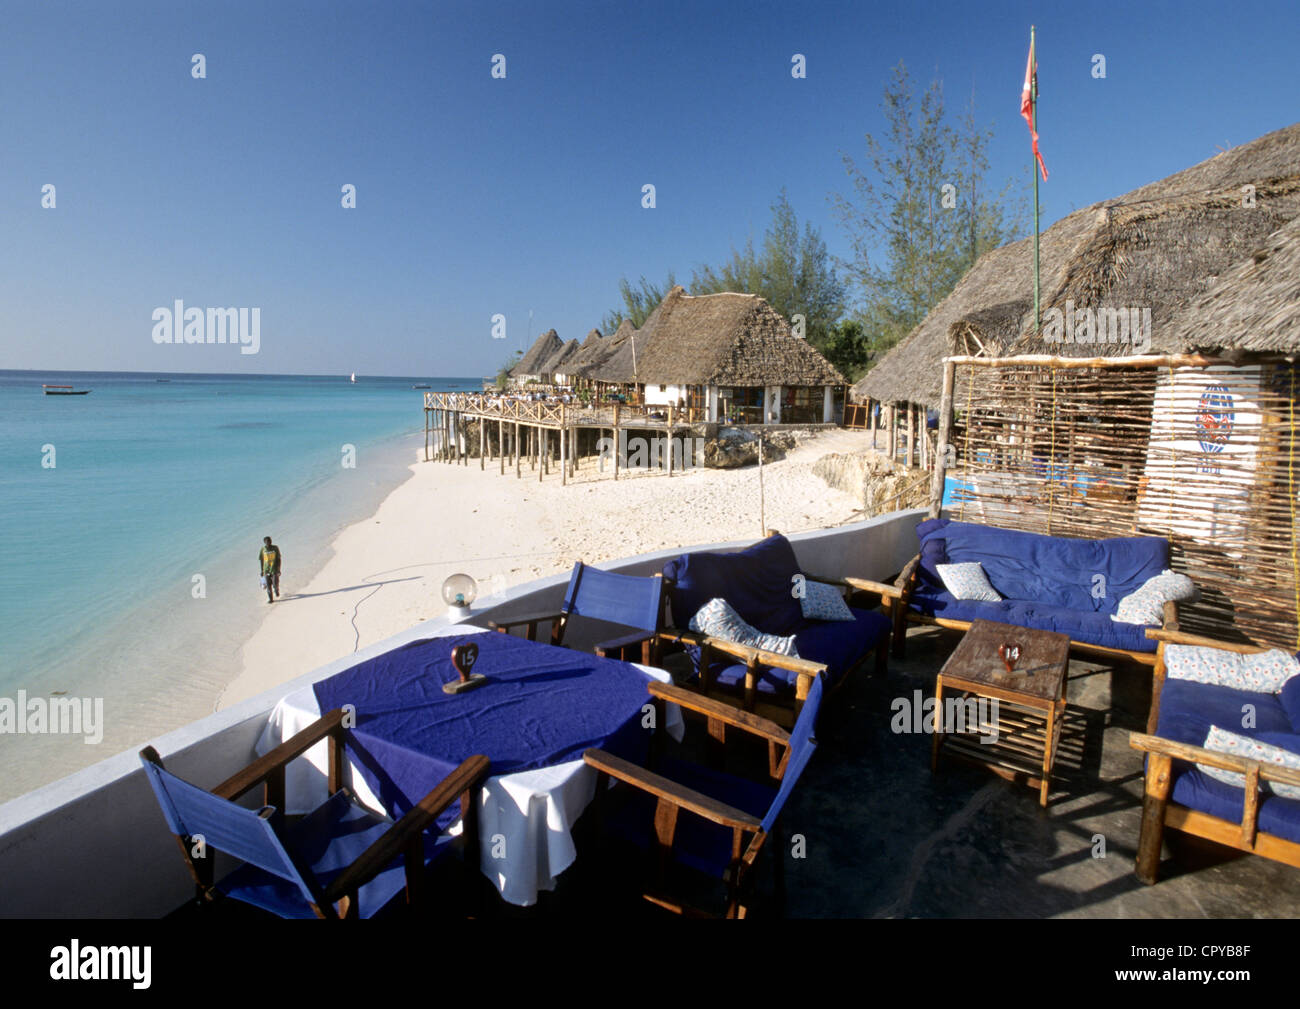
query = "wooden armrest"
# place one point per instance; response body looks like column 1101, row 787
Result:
column 528, row 618
column 880, row 588
column 679, row 795
column 746, row 652
column 1181, row 638
column 722, row 711
column 1169, row 616
column 613, row 644
column 908, row 572
column 258, row 771
column 469, row 775
column 841, row 582
column 1200, row 755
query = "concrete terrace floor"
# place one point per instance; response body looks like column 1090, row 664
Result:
column 887, row 839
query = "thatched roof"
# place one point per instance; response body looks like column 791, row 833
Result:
column 543, row 349
column 716, row 339
column 562, row 357
column 1254, row 307
column 1156, row 248
column 595, row 352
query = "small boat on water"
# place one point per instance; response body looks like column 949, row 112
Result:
column 63, row 390
column 421, row 387
column 353, row 378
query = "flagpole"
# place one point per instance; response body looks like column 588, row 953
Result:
column 1033, row 168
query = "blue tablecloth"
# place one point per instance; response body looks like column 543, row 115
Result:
column 541, row 706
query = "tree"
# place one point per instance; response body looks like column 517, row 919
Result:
column 638, row 302
column 503, row 372
column 920, row 212
column 794, row 273
column 848, row 347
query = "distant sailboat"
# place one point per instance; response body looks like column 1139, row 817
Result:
column 353, row 378
column 64, row 390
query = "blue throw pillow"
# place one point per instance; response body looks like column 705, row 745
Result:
column 717, row 619
column 823, row 602
column 968, row 581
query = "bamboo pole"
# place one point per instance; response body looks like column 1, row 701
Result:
column 564, row 467
column 1138, row 361
column 945, row 433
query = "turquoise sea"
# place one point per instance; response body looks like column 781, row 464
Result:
column 132, row 518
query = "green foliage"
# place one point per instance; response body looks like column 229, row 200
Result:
column 638, row 302
column 794, row 273
column 909, row 248
column 848, row 347
column 503, row 372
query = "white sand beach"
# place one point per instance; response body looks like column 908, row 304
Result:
column 386, row 570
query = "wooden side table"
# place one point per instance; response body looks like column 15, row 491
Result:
column 1028, row 736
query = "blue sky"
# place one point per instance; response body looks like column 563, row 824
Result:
column 478, row 196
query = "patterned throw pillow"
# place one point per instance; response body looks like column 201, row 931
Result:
column 1223, row 741
column 1146, row 604
column 717, row 619
column 1260, row 673
column 823, row 602
column 968, row 581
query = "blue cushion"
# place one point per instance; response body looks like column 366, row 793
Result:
column 697, row 843
column 837, row 644
column 1047, row 569
column 841, row 643
column 756, row 581
column 1187, row 710
column 1084, row 626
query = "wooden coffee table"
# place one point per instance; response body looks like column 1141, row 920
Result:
column 1028, row 734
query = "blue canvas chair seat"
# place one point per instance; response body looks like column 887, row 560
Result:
column 593, row 594
column 341, row 860
column 707, row 820
column 1180, row 796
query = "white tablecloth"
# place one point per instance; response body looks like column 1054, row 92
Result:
column 525, row 818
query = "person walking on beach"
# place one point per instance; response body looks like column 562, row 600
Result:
column 268, row 562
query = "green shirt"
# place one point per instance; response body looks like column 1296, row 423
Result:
column 270, row 560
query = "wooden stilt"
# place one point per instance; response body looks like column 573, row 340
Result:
column 617, row 444
column 482, row 443
column 501, row 444
column 911, row 436
column 564, row 468
column 541, row 454
column 517, row 455
column 668, row 444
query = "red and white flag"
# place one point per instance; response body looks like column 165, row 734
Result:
column 1028, row 101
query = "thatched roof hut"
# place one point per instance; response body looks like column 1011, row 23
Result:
column 727, row 339
column 1254, row 308
column 543, row 349
column 557, row 363
column 1155, row 249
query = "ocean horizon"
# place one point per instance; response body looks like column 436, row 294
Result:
column 133, row 518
